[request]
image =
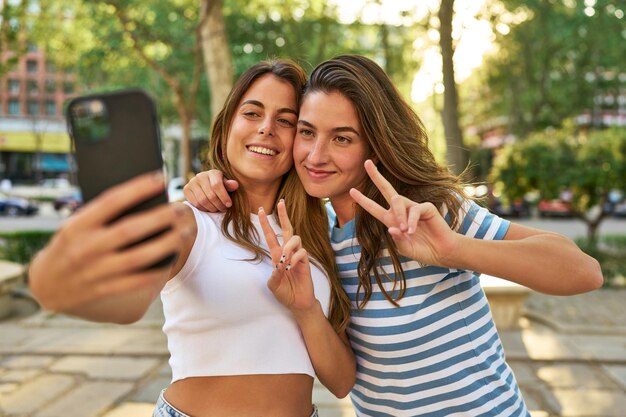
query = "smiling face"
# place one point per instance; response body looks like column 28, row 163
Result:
column 330, row 147
column 260, row 140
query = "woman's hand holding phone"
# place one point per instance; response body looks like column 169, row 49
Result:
column 90, row 270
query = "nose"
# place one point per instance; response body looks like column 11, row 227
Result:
column 267, row 127
column 318, row 152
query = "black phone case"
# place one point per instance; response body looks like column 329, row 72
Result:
column 132, row 147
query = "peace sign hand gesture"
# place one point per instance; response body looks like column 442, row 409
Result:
column 290, row 281
column 418, row 229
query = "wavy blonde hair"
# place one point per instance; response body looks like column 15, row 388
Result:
column 307, row 214
column 398, row 142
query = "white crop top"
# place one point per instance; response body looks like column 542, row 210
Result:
column 220, row 317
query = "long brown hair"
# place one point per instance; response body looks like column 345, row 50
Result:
column 307, row 214
column 398, row 141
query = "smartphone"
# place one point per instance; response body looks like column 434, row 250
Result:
column 116, row 137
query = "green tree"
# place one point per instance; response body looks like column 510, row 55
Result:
column 553, row 60
column 590, row 165
column 151, row 44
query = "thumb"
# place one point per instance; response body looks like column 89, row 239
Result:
column 231, row 185
column 275, row 279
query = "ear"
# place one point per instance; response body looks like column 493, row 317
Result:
column 374, row 158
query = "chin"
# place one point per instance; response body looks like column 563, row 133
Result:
column 317, row 191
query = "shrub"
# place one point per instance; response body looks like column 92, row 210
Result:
column 611, row 253
column 21, row 246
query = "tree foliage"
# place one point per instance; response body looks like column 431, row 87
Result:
column 553, row 61
column 589, row 164
column 14, row 20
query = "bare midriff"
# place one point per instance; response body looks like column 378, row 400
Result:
column 284, row 395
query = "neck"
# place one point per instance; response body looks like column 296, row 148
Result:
column 344, row 207
column 261, row 195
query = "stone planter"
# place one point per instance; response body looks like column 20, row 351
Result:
column 506, row 300
column 11, row 277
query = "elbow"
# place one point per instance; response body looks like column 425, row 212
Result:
column 596, row 278
column 342, row 390
column 590, row 278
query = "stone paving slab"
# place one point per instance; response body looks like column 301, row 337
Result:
column 35, row 394
column 52, row 365
column 106, row 367
column 93, row 397
column 598, row 312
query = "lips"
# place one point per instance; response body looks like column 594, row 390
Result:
column 318, row 173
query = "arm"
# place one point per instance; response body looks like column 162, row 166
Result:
column 83, row 271
column 544, row 261
column 291, row 284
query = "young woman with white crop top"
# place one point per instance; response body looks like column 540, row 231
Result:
column 245, row 309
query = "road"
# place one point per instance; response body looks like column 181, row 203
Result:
column 48, row 219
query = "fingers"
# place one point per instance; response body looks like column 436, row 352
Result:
column 114, row 201
column 208, row 191
column 381, row 183
column 369, row 205
column 285, row 224
column 270, row 237
column 292, row 246
column 218, row 194
column 301, row 255
column 399, row 211
column 231, row 185
column 138, row 226
column 142, row 255
column 413, row 218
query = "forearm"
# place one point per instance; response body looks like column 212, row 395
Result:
column 332, row 357
column 547, row 262
column 113, row 299
column 120, row 309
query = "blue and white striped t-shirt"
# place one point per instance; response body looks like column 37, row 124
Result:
column 438, row 353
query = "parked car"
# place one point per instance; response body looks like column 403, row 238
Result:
column 68, row 204
column 495, row 204
column 554, row 208
column 619, row 209
column 518, row 208
column 56, row 183
column 16, row 206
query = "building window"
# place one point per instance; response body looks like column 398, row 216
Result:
column 68, row 87
column 32, row 47
column 33, row 88
column 31, row 66
column 14, row 107
column 51, row 108
column 14, row 86
column 51, row 66
column 33, row 108
column 51, row 86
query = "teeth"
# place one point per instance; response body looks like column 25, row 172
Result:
column 264, row 151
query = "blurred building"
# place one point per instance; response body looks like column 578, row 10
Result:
column 33, row 138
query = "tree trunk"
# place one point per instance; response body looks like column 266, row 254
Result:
column 217, row 57
column 456, row 153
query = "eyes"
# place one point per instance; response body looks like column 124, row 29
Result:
column 340, row 140
column 282, row 121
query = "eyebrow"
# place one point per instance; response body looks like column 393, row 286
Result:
column 336, row 129
column 259, row 104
